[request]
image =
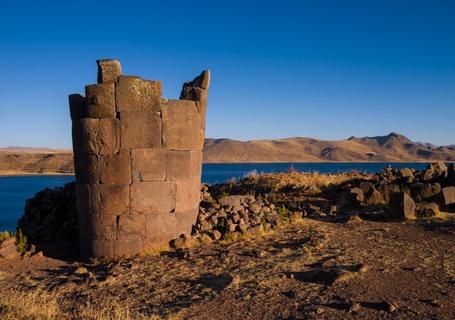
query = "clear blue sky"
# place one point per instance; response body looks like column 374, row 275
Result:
column 323, row 69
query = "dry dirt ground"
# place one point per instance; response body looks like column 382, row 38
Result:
column 310, row 270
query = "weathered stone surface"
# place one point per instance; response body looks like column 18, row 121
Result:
column 108, row 199
column 351, row 198
column 183, row 165
column 402, row 206
column 116, row 168
column 131, row 225
column 99, row 249
column 425, row 191
column 202, row 82
column 448, row 194
column 97, row 137
column 373, row 197
column 108, row 70
column 184, row 221
column 8, row 249
column 159, row 228
column 108, row 139
column 98, row 227
column 85, row 133
column 136, row 94
column 153, row 197
column 78, row 108
column 148, row 164
column 181, row 126
column 83, row 200
column 140, row 129
column 127, row 247
column 188, row 195
column 100, row 100
column 86, row 168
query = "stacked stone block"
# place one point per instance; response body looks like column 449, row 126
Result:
column 138, row 160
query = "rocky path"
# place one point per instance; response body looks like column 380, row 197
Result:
column 309, row 270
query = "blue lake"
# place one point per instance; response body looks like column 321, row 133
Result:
column 14, row 190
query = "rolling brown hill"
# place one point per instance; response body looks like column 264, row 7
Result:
column 390, row 148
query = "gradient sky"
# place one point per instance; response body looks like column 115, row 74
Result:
column 322, row 69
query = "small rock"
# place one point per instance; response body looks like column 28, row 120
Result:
column 81, row 270
column 216, row 235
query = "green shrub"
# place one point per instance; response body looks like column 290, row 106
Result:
column 283, row 213
column 21, row 241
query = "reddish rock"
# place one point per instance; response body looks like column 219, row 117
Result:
column 402, row 206
column 107, row 199
column 131, row 225
column 136, row 94
column 153, row 197
column 148, row 164
column 86, row 168
column 188, row 195
column 183, row 165
column 127, row 247
column 100, row 100
column 448, row 194
column 181, row 126
column 140, row 129
column 108, row 139
column 116, row 169
column 184, row 221
column 108, row 70
column 159, row 228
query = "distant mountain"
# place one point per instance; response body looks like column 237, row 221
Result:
column 390, row 148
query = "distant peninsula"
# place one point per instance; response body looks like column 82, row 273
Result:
column 393, row 147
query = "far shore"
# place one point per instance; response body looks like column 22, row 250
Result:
column 26, row 173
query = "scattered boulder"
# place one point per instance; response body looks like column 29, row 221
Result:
column 373, row 197
column 425, row 191
column 8, row 249
column 448, row 194
column 402, row 206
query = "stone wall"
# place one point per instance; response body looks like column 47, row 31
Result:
column 137, row 161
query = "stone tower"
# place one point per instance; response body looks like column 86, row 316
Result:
column 137, row 160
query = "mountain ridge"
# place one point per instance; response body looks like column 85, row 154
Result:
column 393, row 147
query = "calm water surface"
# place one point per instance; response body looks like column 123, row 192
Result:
column 15, row 190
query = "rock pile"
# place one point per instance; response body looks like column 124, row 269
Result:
column 403, row 193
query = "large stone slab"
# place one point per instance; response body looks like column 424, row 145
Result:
column 402, row 206
column 116, row 168
column 152, row 197
column 130, row 226
column 98, row 227
column 108, row 140
column 97, row 248
column 85, row 133
column 448, row 194
column 83, row 206
column 140, row 129
column 127, row 247
column 188, row 195
column 78, row 108
column 109, row 199
column 86, row 168
column 183, row 165
column 184, row 221
column 148, row 164
column 159, row 229
column 100, row 100
column 108, row 70
column 181, row 126
column 136, row 94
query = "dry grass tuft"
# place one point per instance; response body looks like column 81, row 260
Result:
column 39, row 304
